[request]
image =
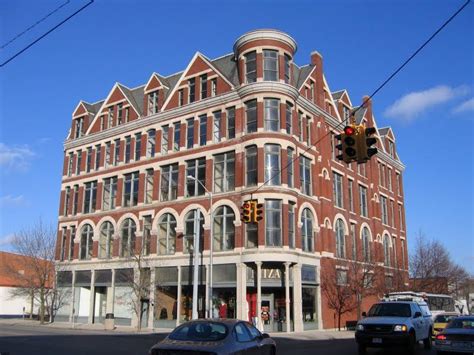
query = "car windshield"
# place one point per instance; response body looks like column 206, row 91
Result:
column 444, row 318
column 390, row 310
column 466, row 323
column 200, row 331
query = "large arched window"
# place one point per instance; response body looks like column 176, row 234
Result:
column 223, row 229
column 365, row 244
column 167, row 234
column 386, row 250
column 105, row 240
column 307, row 230
column 127, row 247
column 193, row 225
column 340, row 239
column 86, row 242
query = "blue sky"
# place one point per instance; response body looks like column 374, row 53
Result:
column 430, row 104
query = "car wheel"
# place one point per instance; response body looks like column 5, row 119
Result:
column 362, row 349
column 427, row 341
column 412, row 343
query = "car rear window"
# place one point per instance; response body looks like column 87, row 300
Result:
column 443, row 318
column 461, row 323
column 200, row 331
column 390, row 310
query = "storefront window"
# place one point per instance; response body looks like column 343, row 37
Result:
column 310, row 320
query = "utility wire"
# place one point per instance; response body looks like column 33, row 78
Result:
column 373, row 94
column 33, row 25
column 47, row 33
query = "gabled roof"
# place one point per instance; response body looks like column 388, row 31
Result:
column 179, row 77
column 305, row 71
column 337, row 94
column 130, row 96
column 227, row 67
column 158, row 77
column 384, row 130
column 359, row 115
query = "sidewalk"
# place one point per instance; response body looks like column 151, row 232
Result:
column 99, row 328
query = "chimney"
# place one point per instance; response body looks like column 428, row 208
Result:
column 367, row 103
column 317, row 59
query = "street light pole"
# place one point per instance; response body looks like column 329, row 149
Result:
column 211, row 252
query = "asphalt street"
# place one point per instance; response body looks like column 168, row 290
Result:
column 30, row 339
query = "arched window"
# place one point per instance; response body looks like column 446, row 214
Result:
column 223, row 229
column 340, row 239
column 105, row 240
column 365, row 244
column 193, row 225
column 127, row 247
column 167, row 234
column 86, row 242
column 307, row 230
column 386, row 250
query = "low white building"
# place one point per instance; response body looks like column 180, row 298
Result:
column 13, row 305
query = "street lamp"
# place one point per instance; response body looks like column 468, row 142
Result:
column 196, row 258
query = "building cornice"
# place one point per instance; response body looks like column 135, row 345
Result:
column 265, row 34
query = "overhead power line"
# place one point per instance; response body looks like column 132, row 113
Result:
column 47, row 33
column 33, row 25
column 344, row 122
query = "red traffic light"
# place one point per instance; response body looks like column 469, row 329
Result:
column 246, row 205
column 349, row 130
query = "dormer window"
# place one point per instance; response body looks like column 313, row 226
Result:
column 153, row 103
column 213, row 87
column 203, row 86
column 110, row 118
column 119, row 114
column 251, row 67
column 79, row 127
column 391, row 149
column 192, row 90
column 181, row 97
column 346, row 112
column 270, row 65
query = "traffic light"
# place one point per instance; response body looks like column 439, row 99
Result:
column 365, row 142
column 257, row 210
column 348, row 144
column 246, row 212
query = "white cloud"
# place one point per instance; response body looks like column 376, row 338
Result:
column 466, row 106
column 6, row 240
column 415, row 103
column 13, row 201
column 15, row 157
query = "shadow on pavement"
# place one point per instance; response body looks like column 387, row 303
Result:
column 295, row 346
column 79, row 344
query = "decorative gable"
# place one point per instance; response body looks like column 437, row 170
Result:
column 154, row 83
column 115, row 110
column 215, row 83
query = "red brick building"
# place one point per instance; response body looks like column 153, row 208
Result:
column 137, row 162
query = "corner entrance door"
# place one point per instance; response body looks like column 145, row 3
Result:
column 266, row 312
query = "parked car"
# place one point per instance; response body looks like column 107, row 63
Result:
column 395, row 324
column 441, row 320
column 458, row 336
column 215, row 337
